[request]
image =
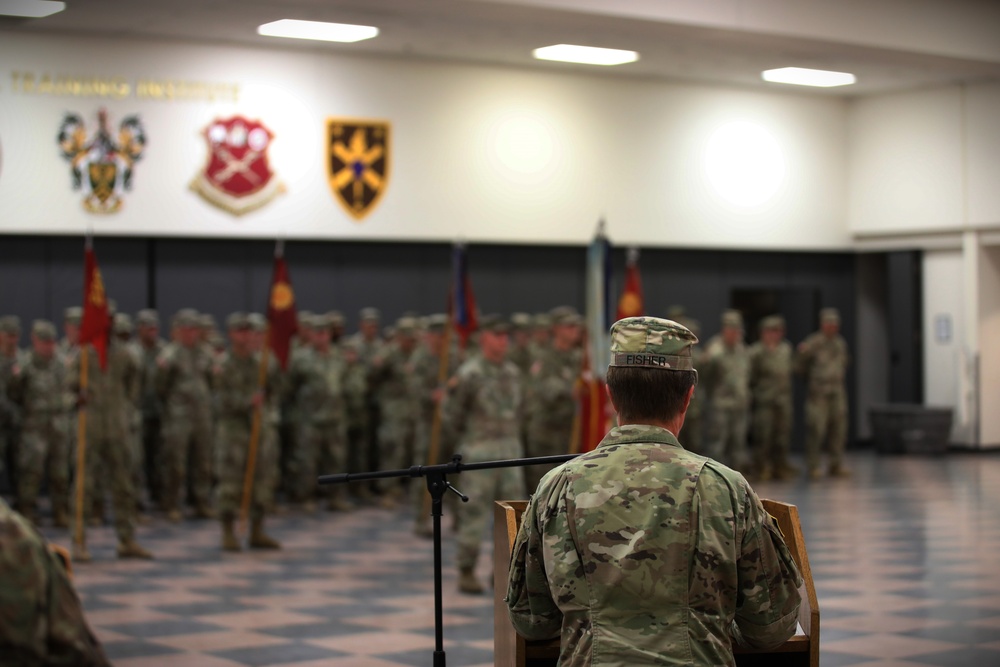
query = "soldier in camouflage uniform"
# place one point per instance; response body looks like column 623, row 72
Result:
column 10, row 414
column 520, row 353
column 640, row 552
column 365, row 423
column 551, row 393
column 483, row 408
column 822, row 358
column 541, row 334
column 71, row 331
column 726, row 377
column 316, row 380
column 146, row 348
column 183, row 379
column 122, row 328
column 41, row 619
column 397, row 406
column 39, row 387
column 111, row 393
column 771, row 386
column 238, row 395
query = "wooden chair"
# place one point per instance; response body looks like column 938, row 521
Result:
column 512, row 650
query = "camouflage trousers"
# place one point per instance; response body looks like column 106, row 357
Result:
column 43, row 452
column 772, row 429
column 232, row 445
column 727, row 435
column 108, row 456
column 320, row 448
column 187, row 434
column 826, row 427
column 483, row 488
column 395, row 443
column 545, row 439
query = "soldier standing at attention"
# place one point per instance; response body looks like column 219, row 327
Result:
column 483, row 408
column 316, row 383
column 71, row 331
column 771, row 386
column 238, row 395
column 184, row 372
column 520, row 348
column 642, row 553
column 10, row 414
column 551, row 393
column 109, row 398
column 726, row 376
column 541, row 333
column 122, row 329
column 822, row 358
column 146, row 347
column 368, row 345
column 39, row 387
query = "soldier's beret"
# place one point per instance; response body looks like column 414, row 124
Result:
column 541, row 321
column 238, row 321
column 831, row 315
column 520, row 320
column 732, row 318
column 493, row 323
column 336, row 318
column 406, row 325
column 122, row 323
column 43, row 330
column 437, row 322
column 73, row 315
column 257, row 321
column 10, row 324
column 147, row 317
column 186, row 317
column 773, row 322
column 651, row 342
column 370, row 315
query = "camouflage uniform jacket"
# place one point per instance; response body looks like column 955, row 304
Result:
column 642, row 553
column 40, row 387
column 317, row 383
column 725, row 372
column 522, row 357
column 41, row 620
column 824, row 362
column 550, row 388
column 771, row 372
column 392, row 374
column 111, row 393
column 183, row 377
column 149, row 401
column 423, row 379
column 484, row 403
column 235, row 384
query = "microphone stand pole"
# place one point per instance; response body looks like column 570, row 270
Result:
column 437, row 486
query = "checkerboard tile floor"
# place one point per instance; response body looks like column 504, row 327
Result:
column 904, row 556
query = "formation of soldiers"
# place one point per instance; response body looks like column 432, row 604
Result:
column 169, row 422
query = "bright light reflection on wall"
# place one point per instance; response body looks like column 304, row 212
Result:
column 744, row 164
column 522, row 146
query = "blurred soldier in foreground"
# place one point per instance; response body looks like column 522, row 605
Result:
column 640, row 552
column 771, row 386
column 39, row 388
column 41, row 619
column 184, row 371
column 550, row 399
column 822, row 358
column 397, row 406
column 726, row 375
column 483, row 408
column 238, row 395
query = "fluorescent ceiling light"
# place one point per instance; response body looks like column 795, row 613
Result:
column 800, row 76
column 32, row 9
column 318, row 30
column 587, row 55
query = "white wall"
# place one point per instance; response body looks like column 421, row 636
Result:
column 480, row 153
column 989, row 334
column 947, row 358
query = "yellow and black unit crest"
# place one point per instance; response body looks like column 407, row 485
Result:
column 357, row 162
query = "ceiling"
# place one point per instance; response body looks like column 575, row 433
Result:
column 889, row 44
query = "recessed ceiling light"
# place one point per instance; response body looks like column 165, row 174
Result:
column 32, row 9
column 587, row 55
column 318, row 30
column 800, row 76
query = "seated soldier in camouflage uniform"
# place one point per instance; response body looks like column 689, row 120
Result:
column 640, row 552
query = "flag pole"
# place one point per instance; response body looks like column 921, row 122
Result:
column 81, row 449
column 435, row 444
column 255, row 428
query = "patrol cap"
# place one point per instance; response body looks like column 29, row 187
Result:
column 829, row 315
column 732, row 318
column 541, row 321
column 651, row 342
column 336, row 318
column 406, row 325
column 112, row 306
column 238, row 321
column 43, row 330
column 437, row 322
column 186, row 317
column 693, row 325
column 10, row 324
column 257, row 321
column 122, row 323
column 73, row 315
column 206, row 321
column 147, row 317
column 520, row 320
column 305, row 318
column 321, row 321
column 493, row 323
column 675, row 312
column 370, row 315
column 568, row 318
column 772, row 322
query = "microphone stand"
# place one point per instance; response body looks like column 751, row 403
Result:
column 437, row 486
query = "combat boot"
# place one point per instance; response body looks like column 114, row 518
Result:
column 61, row 519
column 815, row 474
column 80, row 553
column 261, row 540
column 131, row 549
column 229, row 541
column 203, row 511
column 468, row 583
column 338, row 503
column 837, row 470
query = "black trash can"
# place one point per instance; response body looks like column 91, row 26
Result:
column 906, row 428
